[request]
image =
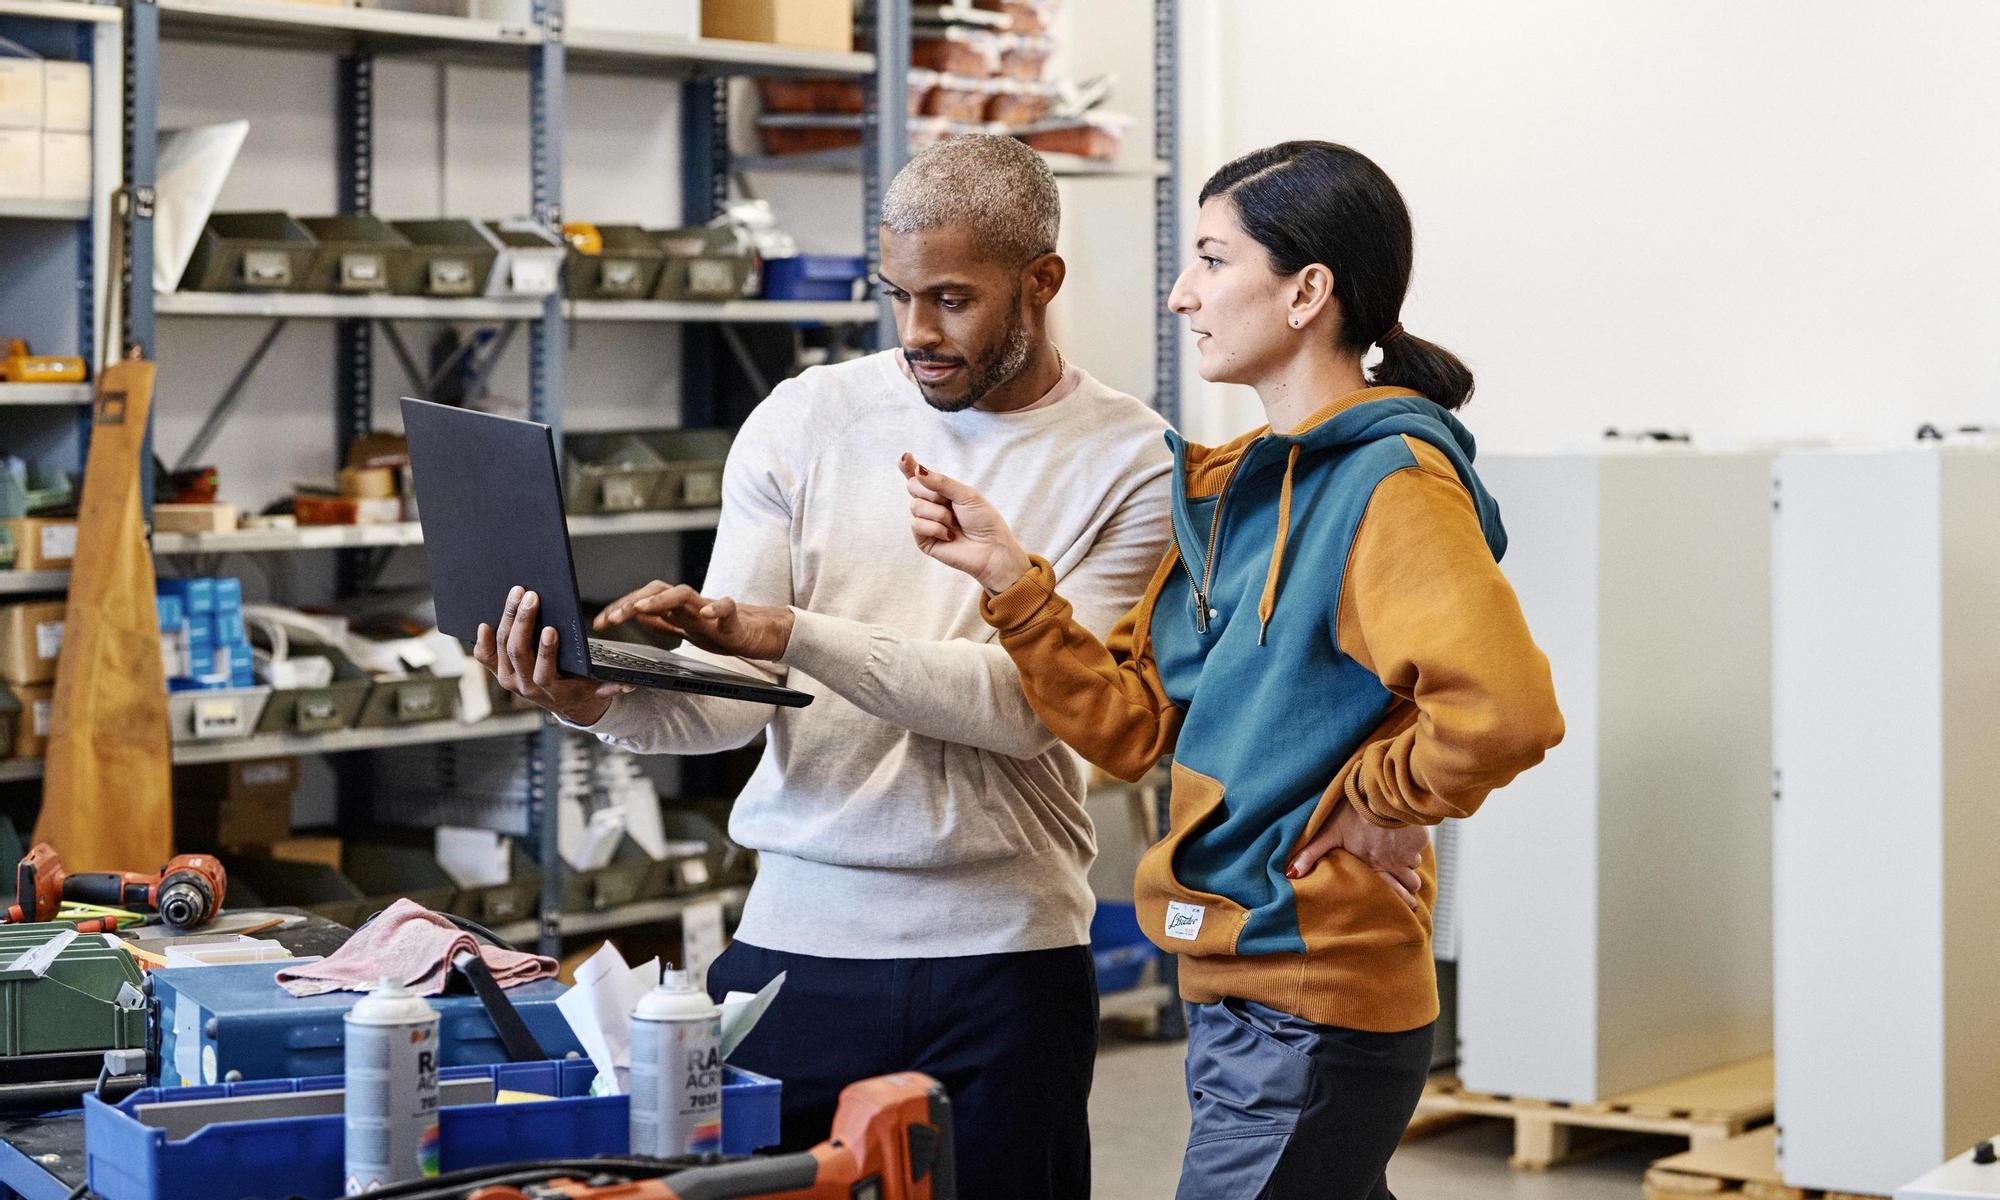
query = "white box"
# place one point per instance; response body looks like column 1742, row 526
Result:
column 21, row 164
column 1615, row 900
column 1886, row 593
column 66, row 166
column 21, row 97
column 663, row 18
column 66, row 97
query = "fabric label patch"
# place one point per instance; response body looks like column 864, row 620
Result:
column 48, row 639
column 58, row 541
column 1184, row 920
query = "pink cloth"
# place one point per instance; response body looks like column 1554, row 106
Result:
column 413, row 946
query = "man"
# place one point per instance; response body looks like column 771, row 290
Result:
column 922, row 839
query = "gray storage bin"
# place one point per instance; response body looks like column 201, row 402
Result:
column 250, row 252
column 621, row 882
column 628, row 268
column 644, row 470
column 315, row 887
column 447, row 258
column 516, row 900
column 389, row 871
column 216, row 714
column 531, row 259
column 355, row 253
column 704, row 264
column 322, row 709
column 409, row 701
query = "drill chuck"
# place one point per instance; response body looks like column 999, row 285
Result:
column 186, row 902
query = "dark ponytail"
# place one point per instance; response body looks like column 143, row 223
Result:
column 1316, row 202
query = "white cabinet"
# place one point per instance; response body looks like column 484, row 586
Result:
column 1887, row 873
column 1615, row 901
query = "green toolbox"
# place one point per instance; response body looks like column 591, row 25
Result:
column 356, row 253
column 61, row 992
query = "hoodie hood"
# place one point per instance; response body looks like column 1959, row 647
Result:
column 1362, row 417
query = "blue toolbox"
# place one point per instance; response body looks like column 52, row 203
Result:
column 238, row 1140
column 224, row 1024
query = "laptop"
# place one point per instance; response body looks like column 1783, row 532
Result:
column 491, row 504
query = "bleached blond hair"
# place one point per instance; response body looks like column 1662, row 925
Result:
column 999, row 188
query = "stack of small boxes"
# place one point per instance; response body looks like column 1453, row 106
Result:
column 204, row 644
column 44, row 129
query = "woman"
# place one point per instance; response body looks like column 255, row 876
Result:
column 1330, row 653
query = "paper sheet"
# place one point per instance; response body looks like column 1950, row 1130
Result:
column 193, row 164
column 741, row 1011
column 599, row 1011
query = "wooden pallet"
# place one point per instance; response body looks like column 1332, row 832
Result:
column 1742, row 1168
column 1708, row 1109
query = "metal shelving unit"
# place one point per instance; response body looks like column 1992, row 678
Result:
column 546, row 51
column 630, row 916
column 277, row 745
column 31, row 395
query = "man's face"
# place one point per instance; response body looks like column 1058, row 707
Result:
column 959, row 315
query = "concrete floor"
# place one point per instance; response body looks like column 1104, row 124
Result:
column 1138, row 1125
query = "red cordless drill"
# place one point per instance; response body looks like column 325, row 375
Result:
column 187, row 892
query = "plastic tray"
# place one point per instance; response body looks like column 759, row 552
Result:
column 315, row 887
column 409, row 701
column 813, row 277
column 703, row 264
column 302, row 1156
column 388, row 871
column 1118, row 948
column 645, row 470
column 531, row 259
column 249, row 252
column 319, row 709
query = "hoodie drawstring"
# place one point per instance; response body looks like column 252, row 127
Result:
column 1268, row 606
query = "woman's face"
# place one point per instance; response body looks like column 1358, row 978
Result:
column 1237, row 307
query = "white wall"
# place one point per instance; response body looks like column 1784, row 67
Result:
column 1744, row 217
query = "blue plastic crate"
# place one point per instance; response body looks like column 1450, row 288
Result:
column 813, row 277
column 218, row 1020
column 1118, row 947
column 302, row 1156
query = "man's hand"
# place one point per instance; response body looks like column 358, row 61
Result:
column 719, row 626
column 529, row 670
column 960, row 528
column 1395, row 854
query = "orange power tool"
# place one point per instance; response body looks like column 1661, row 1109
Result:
column 891, row 1141
column 187, row 892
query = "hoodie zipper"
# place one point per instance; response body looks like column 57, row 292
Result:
column 1200, row 586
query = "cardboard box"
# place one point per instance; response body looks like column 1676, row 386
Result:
column 31, row 637
column 42, row 543
column 66, row 97
column 65, row 166
column 231, row 806
column 194, row 518
column 31, row 736
column 368, row 483
column 322, row 851
column 20, row 163
column 807, row 24
column 21, row 93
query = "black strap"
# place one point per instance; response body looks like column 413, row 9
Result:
column 514, row 1032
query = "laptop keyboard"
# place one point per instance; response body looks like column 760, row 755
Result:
column 606, row 656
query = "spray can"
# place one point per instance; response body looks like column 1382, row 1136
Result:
column 392, row 1089
column 676, row 1077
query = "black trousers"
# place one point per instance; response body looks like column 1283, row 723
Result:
column 1012, row 1037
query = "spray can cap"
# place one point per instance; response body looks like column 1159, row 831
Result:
column 676, row 981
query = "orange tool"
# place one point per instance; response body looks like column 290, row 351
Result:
column 19, row 366
column 891, row 1141
column 186, row 893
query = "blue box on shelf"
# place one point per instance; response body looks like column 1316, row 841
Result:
column 215, row 1022
column 197, row 596
column 172, row 615
column 229, row 595
column 813, row 277
column 1118, row 947
column 302, row 1156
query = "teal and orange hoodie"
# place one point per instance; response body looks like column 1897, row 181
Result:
column 1329, row 623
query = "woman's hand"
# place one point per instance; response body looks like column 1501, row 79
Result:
column 956, row 525
column 1395, row 854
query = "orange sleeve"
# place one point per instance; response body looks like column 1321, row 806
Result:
column 1103, row 698
column 1424, row 607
